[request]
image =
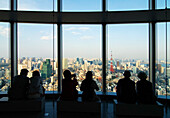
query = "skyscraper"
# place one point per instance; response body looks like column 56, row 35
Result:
column 46, row 69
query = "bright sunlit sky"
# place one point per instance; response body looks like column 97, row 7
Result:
column 125, row 40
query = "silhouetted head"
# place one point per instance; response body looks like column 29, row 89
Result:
column 36, row 73
column 24, row 72
column 89, row 75
column 127, row 74
column 142, row 75
column 67, row 74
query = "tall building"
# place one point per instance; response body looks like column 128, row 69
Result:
column 159, row 67
column 46, row 69
column 65, row 63
column 111, row 65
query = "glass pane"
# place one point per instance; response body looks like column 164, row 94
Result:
column 4, row 4
column 82, row 5
column 5, row 64
column 35, row 52
column 161, row 68
column 128, row 49
column 124, row 5
column 161, row 4
column 37, row 5
column 82, row 51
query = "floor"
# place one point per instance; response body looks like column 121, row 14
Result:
column 50, row 111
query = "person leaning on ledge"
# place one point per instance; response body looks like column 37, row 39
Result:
column 126, row 89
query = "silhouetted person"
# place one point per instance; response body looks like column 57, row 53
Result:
column 69, row 91
column 19, row 88
column 88, row 87
column 144, row 90
column 36, row 89
column 126, row 89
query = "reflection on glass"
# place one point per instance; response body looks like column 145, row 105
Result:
column 82, row 51
column 37, row 5
column 5, row 64
column 127, row 50
column 82, row 5
column 162, row 66
column 124, row 5
column 4, row 4
column 36, row 52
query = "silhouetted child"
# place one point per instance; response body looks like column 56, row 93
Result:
column 20, row 85
column 69, row 91
column 144, row 90
column 88, row 87
column 36, row 89
column 126, row 89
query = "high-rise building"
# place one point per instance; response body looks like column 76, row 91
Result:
column 159, row 67
column 46, row 69
column 65, row 63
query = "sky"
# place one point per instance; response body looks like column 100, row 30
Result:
column 124, row 40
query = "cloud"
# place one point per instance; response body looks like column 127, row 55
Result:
column 76, row 33
column 4, row 31
column 48, row 37
column 45, row 38
column 70, row 28
column 78, row 28
column 83, row 28
column 86, row 37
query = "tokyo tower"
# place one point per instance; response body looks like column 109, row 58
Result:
column 111, row 65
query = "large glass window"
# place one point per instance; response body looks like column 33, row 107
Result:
column 4, row 4
column 127, row 50
column 5, row 64
column 82, row 51
column 82, row 5
column 37, row 50
column 163, row 60
column 125, row 5
column 37, row 5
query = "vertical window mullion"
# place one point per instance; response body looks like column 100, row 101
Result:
column 14, row 46
column 59, row 42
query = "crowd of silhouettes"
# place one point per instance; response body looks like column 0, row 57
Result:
column 23, row 87
column 143, row 94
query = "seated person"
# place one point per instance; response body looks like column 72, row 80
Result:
column 69, row 91
column 36, row 89
column 144, row 90
column 19, row 86
column 88, row 87
column 126, row 89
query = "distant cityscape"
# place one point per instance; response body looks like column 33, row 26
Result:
column 115, row 68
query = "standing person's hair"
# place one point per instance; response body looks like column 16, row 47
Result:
column 67, row 74
column 127, row 73
column 24, row 72
column 89, row 75
column 142, row 75
column 36, row 73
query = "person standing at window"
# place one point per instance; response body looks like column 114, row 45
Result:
column 88, row 87
column 20, row 85
column 36, row 89
column 144, row 90
column 69, row 91
column 126, row 89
